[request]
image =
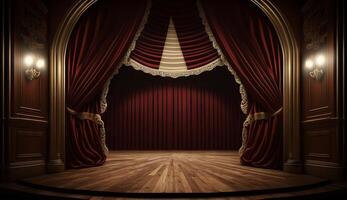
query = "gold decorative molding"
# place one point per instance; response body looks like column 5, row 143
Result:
column 291, row 84
column 57, row 83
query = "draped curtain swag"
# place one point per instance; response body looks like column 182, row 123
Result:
column 193, row 42
column 97, row 45
column 250, row 44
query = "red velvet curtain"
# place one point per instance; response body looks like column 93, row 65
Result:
column 148, row 112
column 251, row 46
column 97, row 45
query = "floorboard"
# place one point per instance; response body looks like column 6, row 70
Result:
column 173, row 172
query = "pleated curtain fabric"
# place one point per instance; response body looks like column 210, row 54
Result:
column 97, row 45
column 196, row 47
column 250, row 44
column 148, row 112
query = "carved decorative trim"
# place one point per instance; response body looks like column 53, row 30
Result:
column 315, row 25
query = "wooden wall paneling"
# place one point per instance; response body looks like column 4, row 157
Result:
column 340, row 45
column 27, row 148
column 5, row 63
column 318, row 38
column 323, row 149
column 27, row 140
column 321, row 141
column 28, row 99
column 29, row 37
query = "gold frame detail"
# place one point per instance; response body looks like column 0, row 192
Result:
column 291, row 85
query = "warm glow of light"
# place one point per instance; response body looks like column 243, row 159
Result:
column 309, row 64
column 320, row 60
column 40, row 63
column 28, row 60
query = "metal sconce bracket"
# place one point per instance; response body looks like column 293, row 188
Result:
column 317, row 73
column 315, row 66
column 33, row 64
column 32, row 73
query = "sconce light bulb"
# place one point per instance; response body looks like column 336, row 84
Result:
column 28, row 60
column 40, row 63
column 309, row 64
column 320, row 60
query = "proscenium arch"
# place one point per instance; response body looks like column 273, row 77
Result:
column 291, row 92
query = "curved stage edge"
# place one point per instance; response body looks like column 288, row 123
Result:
column 148, row 169
column 176, row 195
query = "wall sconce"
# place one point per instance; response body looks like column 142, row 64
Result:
column 315, row 66
column 33, row 67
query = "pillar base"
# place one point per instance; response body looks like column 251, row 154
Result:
column 55, row 166
column 293, row 166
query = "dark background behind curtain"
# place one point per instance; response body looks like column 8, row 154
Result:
column 150, row 112
column 251, row 46
column 96, row 46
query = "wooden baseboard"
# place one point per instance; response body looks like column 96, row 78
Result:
column 332, row 171
column 17, row 170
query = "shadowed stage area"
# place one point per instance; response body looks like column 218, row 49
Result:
column 173, row 173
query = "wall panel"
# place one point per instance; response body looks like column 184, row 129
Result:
column 27, row 99
column 322, row 136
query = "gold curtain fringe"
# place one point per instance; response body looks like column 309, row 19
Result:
column 174, row 74
column 246, row 123
column 96, row 118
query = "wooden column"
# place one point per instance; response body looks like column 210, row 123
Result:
column 5, row 63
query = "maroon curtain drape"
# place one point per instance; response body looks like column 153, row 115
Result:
column 97, row 45
column 251, row 46
column 148, row 112
column 194, row 42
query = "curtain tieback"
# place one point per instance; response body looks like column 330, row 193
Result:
column 266, row 115
column 86, row 116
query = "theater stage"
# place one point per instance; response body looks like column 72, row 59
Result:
column 173, row 174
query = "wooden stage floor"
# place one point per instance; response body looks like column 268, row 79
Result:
column 173, row 173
